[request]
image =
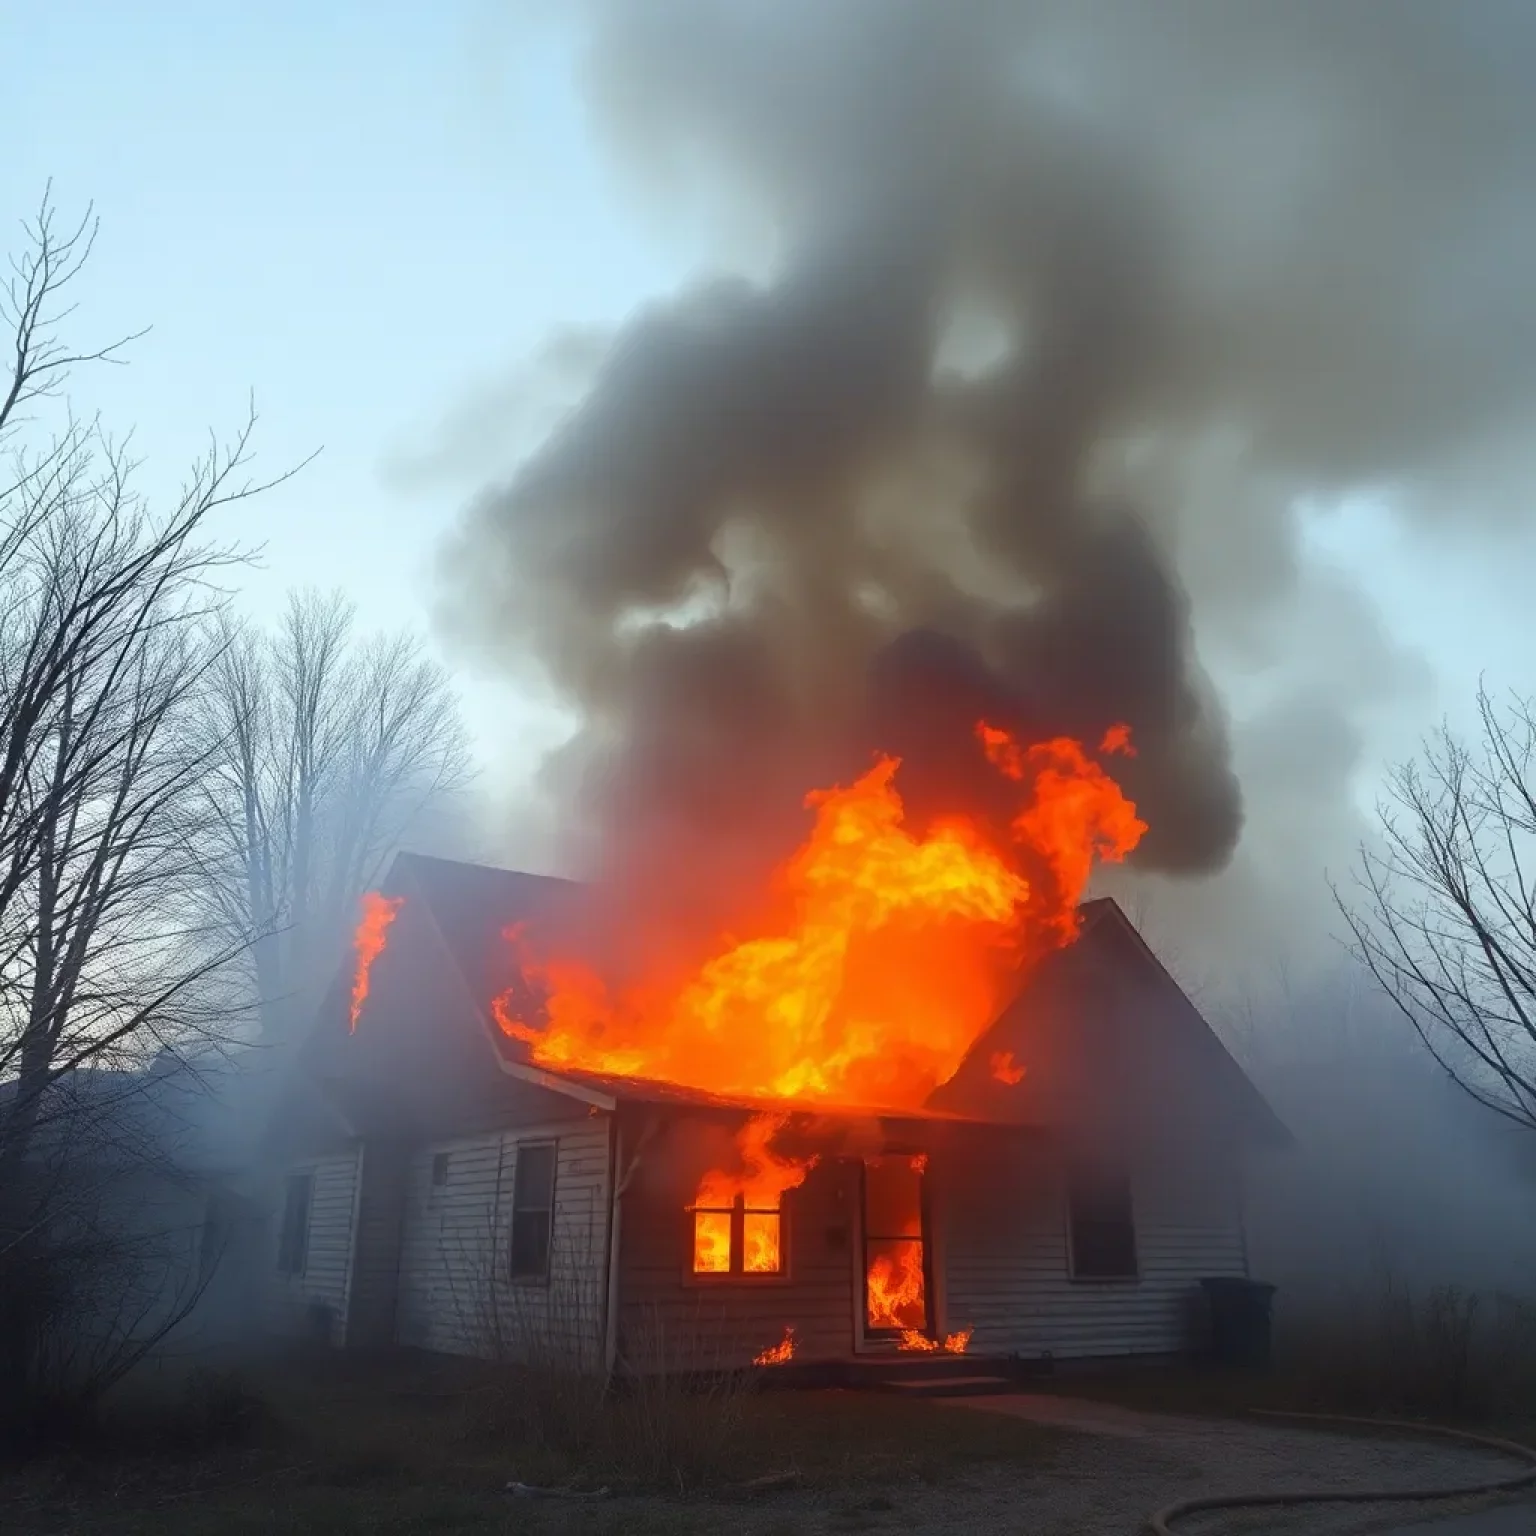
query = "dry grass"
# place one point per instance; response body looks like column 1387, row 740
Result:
column 337, row 1445
column 1447, row 1355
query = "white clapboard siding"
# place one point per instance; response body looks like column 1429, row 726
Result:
column 453, row 1294
column 669, row 1321
column 1004, row 1248
column 376, row 1248
column 294, row 1300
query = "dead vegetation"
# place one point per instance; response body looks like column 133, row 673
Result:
column 318, row 1442
column 673, row 1421
column 1442, row 1355
column 1445, row 1353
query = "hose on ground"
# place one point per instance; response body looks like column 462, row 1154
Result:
column 1161, row 1522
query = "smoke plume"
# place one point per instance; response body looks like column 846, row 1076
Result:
column 1056, row 313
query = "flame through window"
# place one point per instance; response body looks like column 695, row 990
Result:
column 738, row 1239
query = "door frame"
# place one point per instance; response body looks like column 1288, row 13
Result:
column 865, row 1341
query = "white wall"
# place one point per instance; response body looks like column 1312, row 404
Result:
column 328, row 1261
column 453, row 1293
column 1003, row 1244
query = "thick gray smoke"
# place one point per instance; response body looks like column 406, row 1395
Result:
column 1063, row 309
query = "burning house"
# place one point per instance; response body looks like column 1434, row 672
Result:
column 933, row 1101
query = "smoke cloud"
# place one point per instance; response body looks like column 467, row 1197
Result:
column 1057, row 313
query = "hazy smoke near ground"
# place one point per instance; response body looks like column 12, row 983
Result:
column 1398, row 1176
column 1058, row 310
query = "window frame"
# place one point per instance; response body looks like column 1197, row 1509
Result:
column 736, row 1275
column 1099, row 1168
column 513, row 1274
column 292, row 1235
column 442, row 1163
column 924, row 1241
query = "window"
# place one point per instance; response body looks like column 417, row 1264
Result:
column 533, row 1210
column 293, row 1241
column 1102, row 1225
column 738, row 1239
column 440, row 1169
column 895, row 1260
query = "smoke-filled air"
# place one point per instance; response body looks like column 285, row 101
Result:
column 860, row 768
column 1028, row 330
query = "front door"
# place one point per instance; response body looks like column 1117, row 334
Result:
column 896, row 1280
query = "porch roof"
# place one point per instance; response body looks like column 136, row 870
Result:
column 659, row 1093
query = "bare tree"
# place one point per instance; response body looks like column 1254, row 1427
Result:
column 109, row 636
column 330, row 749
column 1444, row 915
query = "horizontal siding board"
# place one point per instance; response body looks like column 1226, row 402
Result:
column 669, row 1322
column 453, row 1293
column 1007, row 1274
column 376, row 1252
column 294, row 1300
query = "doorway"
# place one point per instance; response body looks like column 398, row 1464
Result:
column 896, row 1271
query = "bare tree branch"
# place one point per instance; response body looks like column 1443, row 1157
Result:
column 111, row 633
column 328, row 750
column 1444, row 912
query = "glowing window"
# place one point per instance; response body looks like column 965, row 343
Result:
column 737, row 1240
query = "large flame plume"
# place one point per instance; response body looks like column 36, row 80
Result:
column 892, row 957
column 368, row 942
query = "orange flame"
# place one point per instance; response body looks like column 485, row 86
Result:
column 1005, row 1069
column 758, row 1188
column 778, row 1354
column 368, row 944
column 1117, row 740
column 895, row 1294
column 890, row 967
column 951, row 1344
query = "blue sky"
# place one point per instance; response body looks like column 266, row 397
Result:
column 364, row 213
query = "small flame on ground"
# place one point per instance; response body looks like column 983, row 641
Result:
column 1005, row 1069
column 920, row 1343
column 780, row 1353
column 368, row 943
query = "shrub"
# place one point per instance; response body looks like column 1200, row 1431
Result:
column 1451, row 1353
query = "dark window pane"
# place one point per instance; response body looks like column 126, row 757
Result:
column 534, row 1179
column 440, row 1169
column 530, row 1245
column 533, row 1203
column 1103, row 1224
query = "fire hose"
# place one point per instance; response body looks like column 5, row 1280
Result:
column 1161, row 1522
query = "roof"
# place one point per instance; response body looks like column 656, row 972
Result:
column 654, row 1091
column 1134, row 1043
column 1160, row 1038
column 474, row 904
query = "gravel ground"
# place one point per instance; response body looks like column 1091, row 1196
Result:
column 1120, row 1465
column 1130, row 1463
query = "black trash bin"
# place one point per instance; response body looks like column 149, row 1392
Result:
column 1239, row 1320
